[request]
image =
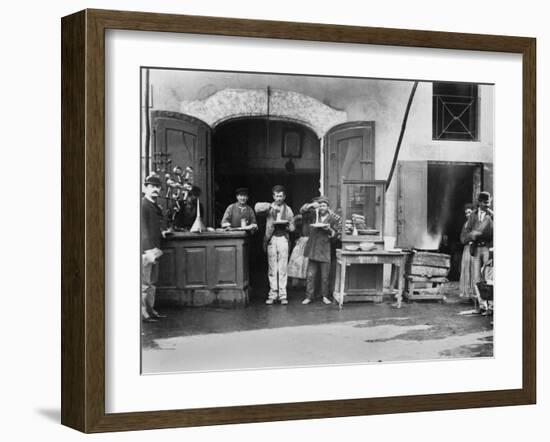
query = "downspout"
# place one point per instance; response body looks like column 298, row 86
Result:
column 147, row 125
column 267, row 121
column 322, row 171
column 399, row 141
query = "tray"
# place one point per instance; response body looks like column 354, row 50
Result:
column 368, row 231
column 319, row 225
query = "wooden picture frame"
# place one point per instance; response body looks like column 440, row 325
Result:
column 83, row 220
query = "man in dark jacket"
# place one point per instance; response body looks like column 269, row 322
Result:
column 151, row 234
column 478, row 233
column 326, row 229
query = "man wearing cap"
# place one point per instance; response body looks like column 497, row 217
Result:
column 325, row 230
column 187, row 210
column 151, row 232
column 279, row 222
column 240, row 214
column 478, row 232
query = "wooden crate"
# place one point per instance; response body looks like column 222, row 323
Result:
column 428, row 260
column 426, row 272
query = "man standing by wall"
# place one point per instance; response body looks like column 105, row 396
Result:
column 326, row 229
column 151, row 233
column 478, row 231
column 279, row 222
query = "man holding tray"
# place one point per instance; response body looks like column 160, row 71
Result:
column 318, row 247
column 279, row 222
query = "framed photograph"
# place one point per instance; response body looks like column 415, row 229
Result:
column 292, row 144
column 267, row 221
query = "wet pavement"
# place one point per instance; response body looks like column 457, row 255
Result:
column 315, row 334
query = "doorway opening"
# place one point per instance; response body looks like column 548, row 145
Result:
column 258, row 154
column 450, row 187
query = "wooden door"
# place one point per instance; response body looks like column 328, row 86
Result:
column 186, row 142
column 412, row 206
column 349, row 154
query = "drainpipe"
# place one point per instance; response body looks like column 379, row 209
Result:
column 401, row 133
column 267, row 121
column 322, row 190
column 147, row 125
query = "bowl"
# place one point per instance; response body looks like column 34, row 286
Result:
column 366, row 246
column 351, row 247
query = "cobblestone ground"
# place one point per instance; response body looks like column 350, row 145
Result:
column 297, row 335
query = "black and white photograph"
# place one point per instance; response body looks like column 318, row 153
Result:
column 305, row 220
column 258, row 221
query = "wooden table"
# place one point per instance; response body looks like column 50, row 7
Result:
column 366, row 282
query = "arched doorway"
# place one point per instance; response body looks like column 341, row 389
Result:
column 259, row 153
column 259, row 138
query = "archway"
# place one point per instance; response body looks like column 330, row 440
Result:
column 259, row 153
column 229, row 104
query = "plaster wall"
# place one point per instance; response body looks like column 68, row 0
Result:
column 341, row 99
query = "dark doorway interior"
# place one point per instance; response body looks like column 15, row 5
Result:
column 450, row 188
column 243, row 156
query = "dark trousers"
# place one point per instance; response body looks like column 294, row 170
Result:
column 149, row 277
column 315, row 268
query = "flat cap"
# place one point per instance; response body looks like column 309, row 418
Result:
column 321, row 199
column 484, row 197
column 195, row 191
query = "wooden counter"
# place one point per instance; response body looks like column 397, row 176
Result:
column 204, row 269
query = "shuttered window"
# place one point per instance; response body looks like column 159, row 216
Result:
column 455, row 111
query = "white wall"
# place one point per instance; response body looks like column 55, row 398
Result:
column 30, row 79
column 381, row 101
column 419, row 145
